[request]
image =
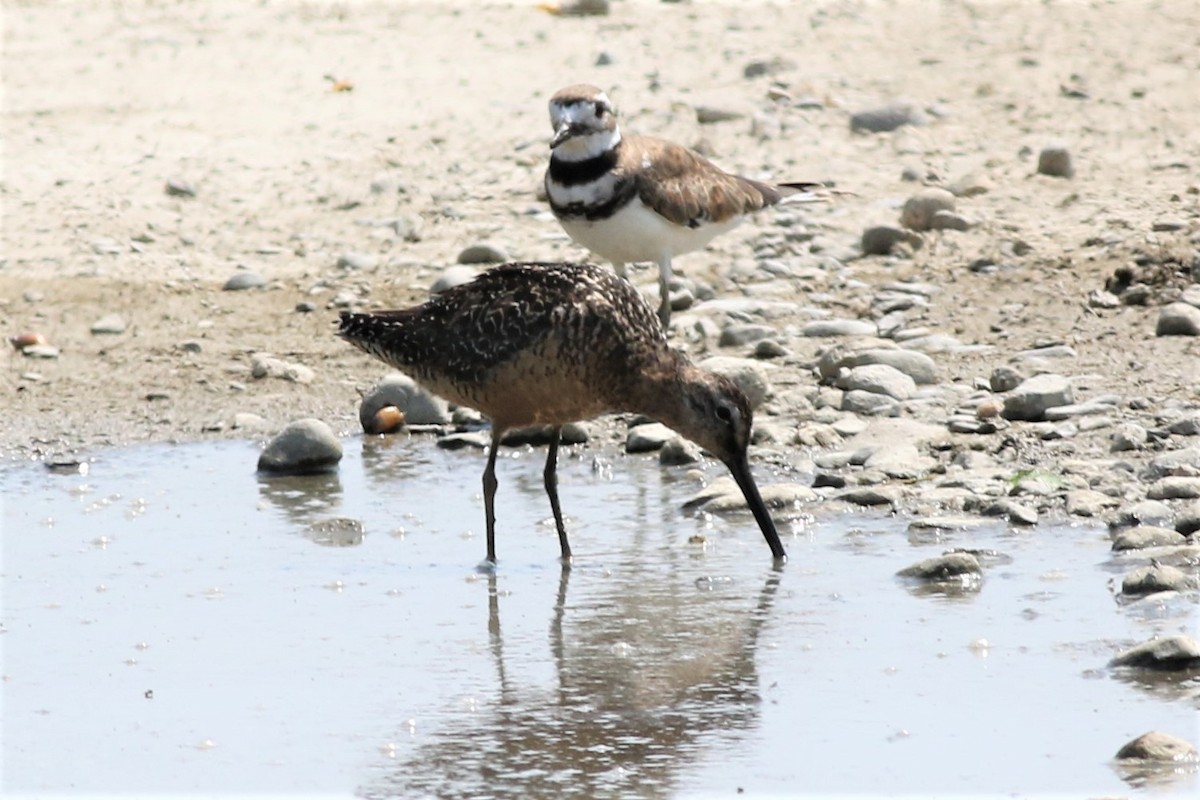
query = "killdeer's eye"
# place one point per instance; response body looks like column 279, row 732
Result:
column 600, row 109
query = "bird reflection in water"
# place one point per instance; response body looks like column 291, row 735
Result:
column 650, row 677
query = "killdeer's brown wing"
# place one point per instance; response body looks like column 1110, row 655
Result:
column 688, row 189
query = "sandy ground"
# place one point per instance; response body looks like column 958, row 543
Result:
column 445, row 130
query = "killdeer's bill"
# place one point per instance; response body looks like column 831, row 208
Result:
column 635, row 198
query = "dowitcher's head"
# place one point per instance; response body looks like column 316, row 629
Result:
column 717, row 417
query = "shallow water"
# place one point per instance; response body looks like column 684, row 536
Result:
column 173, row 623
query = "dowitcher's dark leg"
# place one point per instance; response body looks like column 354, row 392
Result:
column 489, row 494
column 664, row 292
column 551, row 477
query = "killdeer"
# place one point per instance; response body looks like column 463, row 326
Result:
column 637, row 198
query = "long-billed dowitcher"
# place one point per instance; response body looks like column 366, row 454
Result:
column 548, row 344
column 636, row 198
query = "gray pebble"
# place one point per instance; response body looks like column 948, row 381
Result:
column 1099, row 298
column 109, row 324
column 244, row 279
column 886, row 118
column 1030, row 400
column 647, row 438
column 1191, row 295
column 1147, row 512
column 356, row 261
column 751, row 376
column 1188, row 426
column 1016, row 513
column 870, row 496
column 882, row 240
column 769, row 348
column 877, row 379
column 919, row 209
column 770, row 66
column 307, row 445
column 953, row 567
column 483, row 253
column 741, row 334
column 244, row 420
column 1174, row 488
column 1089, row 503
column 901, row 461
column 860, row 401
column 604, row 59
column 1005, row 379
column 949, row 221
column 1178, row 319
column 264, row 365
column 1177, row 652
column 678, row 451
column 1174, row 463
column 1188, row 520
column 419, row 406
column 178, row 187
column 1144, row 536
column 1156, row 746
column 1129, row 436
column 839, row 327
column 479, row 440
column 453, row 276
column 707, row 115
column 1055, row 160
column 969, row 185
column 539, row 435
column 775, row 495
column 918, row 366
column 1158, row 578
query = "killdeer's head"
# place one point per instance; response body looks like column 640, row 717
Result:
column 584, row 121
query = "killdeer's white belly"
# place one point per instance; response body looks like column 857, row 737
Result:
column 636, row 233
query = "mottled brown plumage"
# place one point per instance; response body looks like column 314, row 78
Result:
column 548, row 344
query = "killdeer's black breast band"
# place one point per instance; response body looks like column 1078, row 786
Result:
column 574, row 173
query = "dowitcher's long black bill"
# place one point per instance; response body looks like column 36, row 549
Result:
column 745, row 480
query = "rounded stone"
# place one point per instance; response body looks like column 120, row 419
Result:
column 1158, row 578
column 244, row 280
column 483, row 253
column 1156, row 746
column 418, row 405
column 882, row 240
column 1178, row 319
column 919, row 210
column 1178, row 652
column 886, row 118
column 453, row 276
column 1055, row 160
column 305, row 446
column 109, row 324
column 878, row 379
column 678, row 451
column 1030, row 400
column 1145, row 536
column 647, row 438
column 749, row 375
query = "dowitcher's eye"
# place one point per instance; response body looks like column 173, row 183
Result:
column 724, row 414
